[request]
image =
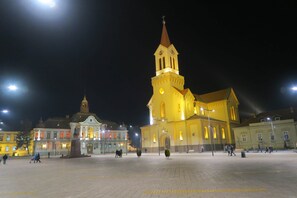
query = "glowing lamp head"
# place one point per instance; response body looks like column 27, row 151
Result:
column 50, row 3
column 12, row 87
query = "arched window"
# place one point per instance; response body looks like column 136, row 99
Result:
column 154, row 138
column 233, row 115
column 181, row 135
column 214, row 133
column 205, row 133
column 163, row 62
column 160, row 64
column 223, row 134
column 162, row 110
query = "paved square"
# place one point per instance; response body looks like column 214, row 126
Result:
column 151, row 175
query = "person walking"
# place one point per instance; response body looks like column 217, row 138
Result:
column 4, row 158
column 38, row 158
column 232, row 150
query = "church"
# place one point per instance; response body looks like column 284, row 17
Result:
column 181, row 120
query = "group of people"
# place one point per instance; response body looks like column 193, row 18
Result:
column 230, row 149
column 36, row 158
column 118, row 153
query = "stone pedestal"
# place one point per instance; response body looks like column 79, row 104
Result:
column 75, row 148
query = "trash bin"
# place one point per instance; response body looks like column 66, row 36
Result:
column 242, row 154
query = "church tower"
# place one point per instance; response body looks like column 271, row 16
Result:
column 183, row 121
column 84, row 107
column 167, row 101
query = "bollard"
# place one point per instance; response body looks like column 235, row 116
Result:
column 242, row 154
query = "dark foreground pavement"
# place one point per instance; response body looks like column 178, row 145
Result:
column 151, row 175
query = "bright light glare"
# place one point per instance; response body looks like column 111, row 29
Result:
column 5, row 111
column 50, row 3
column 12, row 87
column 294, row 88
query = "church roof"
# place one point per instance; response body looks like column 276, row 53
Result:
column 164, row 37
column 214, row 96
column 195, row 116
column 280, row 114
column 183, row 92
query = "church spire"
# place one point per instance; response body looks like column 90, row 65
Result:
column 84, row 107
column 164, row 37
column 166, row 56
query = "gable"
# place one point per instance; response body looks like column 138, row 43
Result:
column 91, row 120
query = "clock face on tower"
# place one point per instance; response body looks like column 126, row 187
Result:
column 161, row 52
column 161, row 90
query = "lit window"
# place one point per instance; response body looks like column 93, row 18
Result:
column 154, row 138
column 7, row 138
column 202, row 111
column 233, row 115
column 214, row 133
column 7, row 148
column 286, row 135
column 260, row 137
column 243, row 137
column 55, row 134
column 223, row 134
column 181, row 135
column 205, row 133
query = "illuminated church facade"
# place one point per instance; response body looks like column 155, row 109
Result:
column 181, row 120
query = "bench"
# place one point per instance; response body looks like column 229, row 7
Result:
column 191, row 151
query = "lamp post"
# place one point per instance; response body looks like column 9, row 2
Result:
column 272, row 131
column 211, row 135
column 162, row 120
column 55, row 146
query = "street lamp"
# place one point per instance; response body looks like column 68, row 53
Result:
column 162, row 120
column 55, row 146
column 49, row 3
column 136, row 135
column 211, row 134
column 272, row 130
column 12, row 87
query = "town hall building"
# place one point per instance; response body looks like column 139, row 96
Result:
column 181, row 120
column 95, row 136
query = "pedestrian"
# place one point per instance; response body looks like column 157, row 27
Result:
column 38, row 158
column 232, row 150
column 266, row 149
column 4, row 158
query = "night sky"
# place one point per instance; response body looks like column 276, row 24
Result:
column 104, row 49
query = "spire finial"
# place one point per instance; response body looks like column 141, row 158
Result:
column 163, row 17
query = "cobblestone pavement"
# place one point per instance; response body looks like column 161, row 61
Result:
column 151, row 175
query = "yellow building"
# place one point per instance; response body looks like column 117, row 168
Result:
column 276, row 129
column 8, row 144
column 180, row 120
